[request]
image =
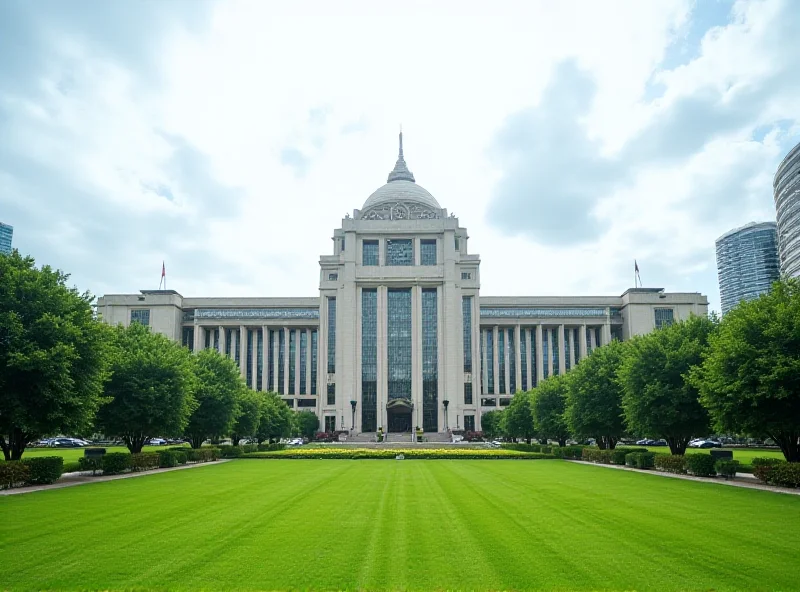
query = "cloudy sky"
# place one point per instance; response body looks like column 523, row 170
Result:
column 230, row 138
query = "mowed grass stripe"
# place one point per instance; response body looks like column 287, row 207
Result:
column 248, row 525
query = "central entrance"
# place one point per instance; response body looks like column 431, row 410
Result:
column 398, row 413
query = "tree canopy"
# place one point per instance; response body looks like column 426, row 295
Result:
column 750, row 378
column 594, row 403
column 218, row 389
column 658, row 398
column 549, row 401
column 306, row 424
column 518, row 418
column 276, row 418
column 52, row 355
column 492, row 423
column 151, row 388
column 249, row 416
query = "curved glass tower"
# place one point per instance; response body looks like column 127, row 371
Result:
column 786, row 190
column 747, row 262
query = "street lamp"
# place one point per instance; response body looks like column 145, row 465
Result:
column 353, row 406
column 445, row 403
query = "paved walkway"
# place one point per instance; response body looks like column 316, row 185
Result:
column 745, row 480
column 84, row 477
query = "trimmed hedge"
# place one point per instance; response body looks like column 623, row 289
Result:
column 196, row 455
column 115, row 463
column 44, row 470
column 13, row 474
column 180, row 456
column 167, row 459
column 248, row 448
column 640, row 460
column 274, row 447
column 762, row 467
column 521, row 447
column 231, row 451
column 569, row 452
column 671, row 463
column 726, row 467
column 91, row 463
column 618, row 454
column 71, row 467
column 785, row 475
column 143, row 461
column 388, row 454
column 700, row 465
column 596, row 455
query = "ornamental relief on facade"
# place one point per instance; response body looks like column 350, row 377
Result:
column 400, row 211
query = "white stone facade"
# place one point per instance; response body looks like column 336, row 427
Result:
column 396, row 362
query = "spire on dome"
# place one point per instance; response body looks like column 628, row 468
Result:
column 400, row 171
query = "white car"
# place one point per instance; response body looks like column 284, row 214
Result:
column 156, row 441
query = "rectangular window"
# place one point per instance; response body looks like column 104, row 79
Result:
column 292, row 358
column 399, row 343
column 330, row 423
column 369, row 360
column 523, row 358
column 369, row 253
column 331, row 394
column 565, row 349
column 427, row 252
column 430, row 361
column 332, row 277
column 469, row 423
column 545, row 354
column 228, row 342
column 466, row 311
column 141, row 316
column 303, row 361
column 331, row 335
column 306, row 402
column 457, row 243
column 188, row 338
column 501, row 363
column 490, row 361
column 271, row 369
column 289, row 402
column 467, row 393
column 664, row 317
column 505, row 401
column 534, row 370
column 488, row 402
column 512, row 364
column 465, row 275
column 249, row 371
column 556, row 353
column 281, row 358
column 314, row 362
column 260, row 359
column 400, row 252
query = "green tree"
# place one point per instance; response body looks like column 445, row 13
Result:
column 53, row 355
column 594, row 402
column 306, row 424
column 750, row 378
column 217, row 391
column 249, row 415
column 549, row 402
column 276, row 418
column 492, row 424
column 658, row 397
column 518, row 418
column 151, row 389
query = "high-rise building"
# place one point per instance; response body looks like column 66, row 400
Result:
column 786, row 191
column 6, row 233
column 747, row 262
column 399, row 335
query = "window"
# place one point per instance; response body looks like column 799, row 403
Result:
column 331, row 394
column 314, row 362
column 457, row 243
column 330, row 423
column 427, row 252
column 505, row 401
column 271, row 365
column 141, row 316
column 259, row 359
column 469, row 423
column 303, row 361
column 289, row 402
column 249, row 373
column 488, row 402
column 664, row 317
column 523, row 358
column 430, row 361
column 306, row 402
column 465, row 275
column 292, row 358
column 467, row 393
column 188, row 338
column 281, row 358
column 512, row 363
column 501, row 359
column 331, row 335
column 332, row 277
column 398, row 341
column 490, row 361
column 369, row 253
column 369, row 360
column 466, row 311
column 400, row 252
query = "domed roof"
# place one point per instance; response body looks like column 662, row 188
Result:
column 401, row 187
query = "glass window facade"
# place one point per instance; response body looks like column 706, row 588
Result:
column 565, row 348
column 664, row 317
column 399, row 342
column 467, row 393
column 555, row 350
column 314, row 362
column 501, row 359
column 369, row 252
column 330, row 423
column 512, row 363
column 466, row 309
column 400, row 251
column 465, row 275
column 489, row 402
column 249, row 371
column 331, row 335
column 546, row 349
column 281, row 360
column 490, row 361
column 303, row 361
column 306, row 402
column 141, row 316
column 260, row 359
column 430, row 361
column 523, row 358
column 427, row 252
column 271, row 369
column 6, row 237
column 469, row 423
column 292, row 358
column 369, row 360
column 331, row 394
column 188, row 338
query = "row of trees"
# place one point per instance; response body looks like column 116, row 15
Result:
column 738, row 375
column 63, row 371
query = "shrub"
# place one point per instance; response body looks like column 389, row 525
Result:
column 13, row 474
column 640, row 460
column 785, row 475
column 44, row 469
column 762, row 467
column 618, row 454
column 726, row 468
column 144, row 461
column 71, row 467
column 231, row 451
column 271, row 447
column 248, row 448
column 167, row 458
column 671, row 463
column 115, row 463
column 180, row 456
column 521, row 447
column 91, row 463
column 202, row 454
column 700, row 465
column 570, row 452
column 473, row 436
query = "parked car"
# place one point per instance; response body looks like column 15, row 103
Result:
column 704, row 444
column 646, row 442
column 156, row 441
column 65, row 443
column 659, row 443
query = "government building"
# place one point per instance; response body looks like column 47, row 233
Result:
column 399, row 335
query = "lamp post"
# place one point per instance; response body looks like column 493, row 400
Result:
column 445, row 403
column 353, row 407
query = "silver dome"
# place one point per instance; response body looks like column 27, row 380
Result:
column 400, row 190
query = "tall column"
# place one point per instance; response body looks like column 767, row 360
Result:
column 265, row 357
column 562, row 359
column 276, row 348
column 496, row 368
column 484, row 363
column 243, row 351
column 539, row 354
column 530, row 365
column 198, row 338
column 221, row 330
column 593, row 334
column 607, row 328
column 572, row 360
column 550, row 362
column 517, row 359
column 254, row 362
column 234, row 343
column 286, row 361
column 582, row 342
column 297, row 361
column 308, row 362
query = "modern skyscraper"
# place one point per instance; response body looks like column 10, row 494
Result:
column 786, row 191
column 6, row 232
column 747, row 262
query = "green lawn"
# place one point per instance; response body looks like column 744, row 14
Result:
column 743, row 455
column 338, row 524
